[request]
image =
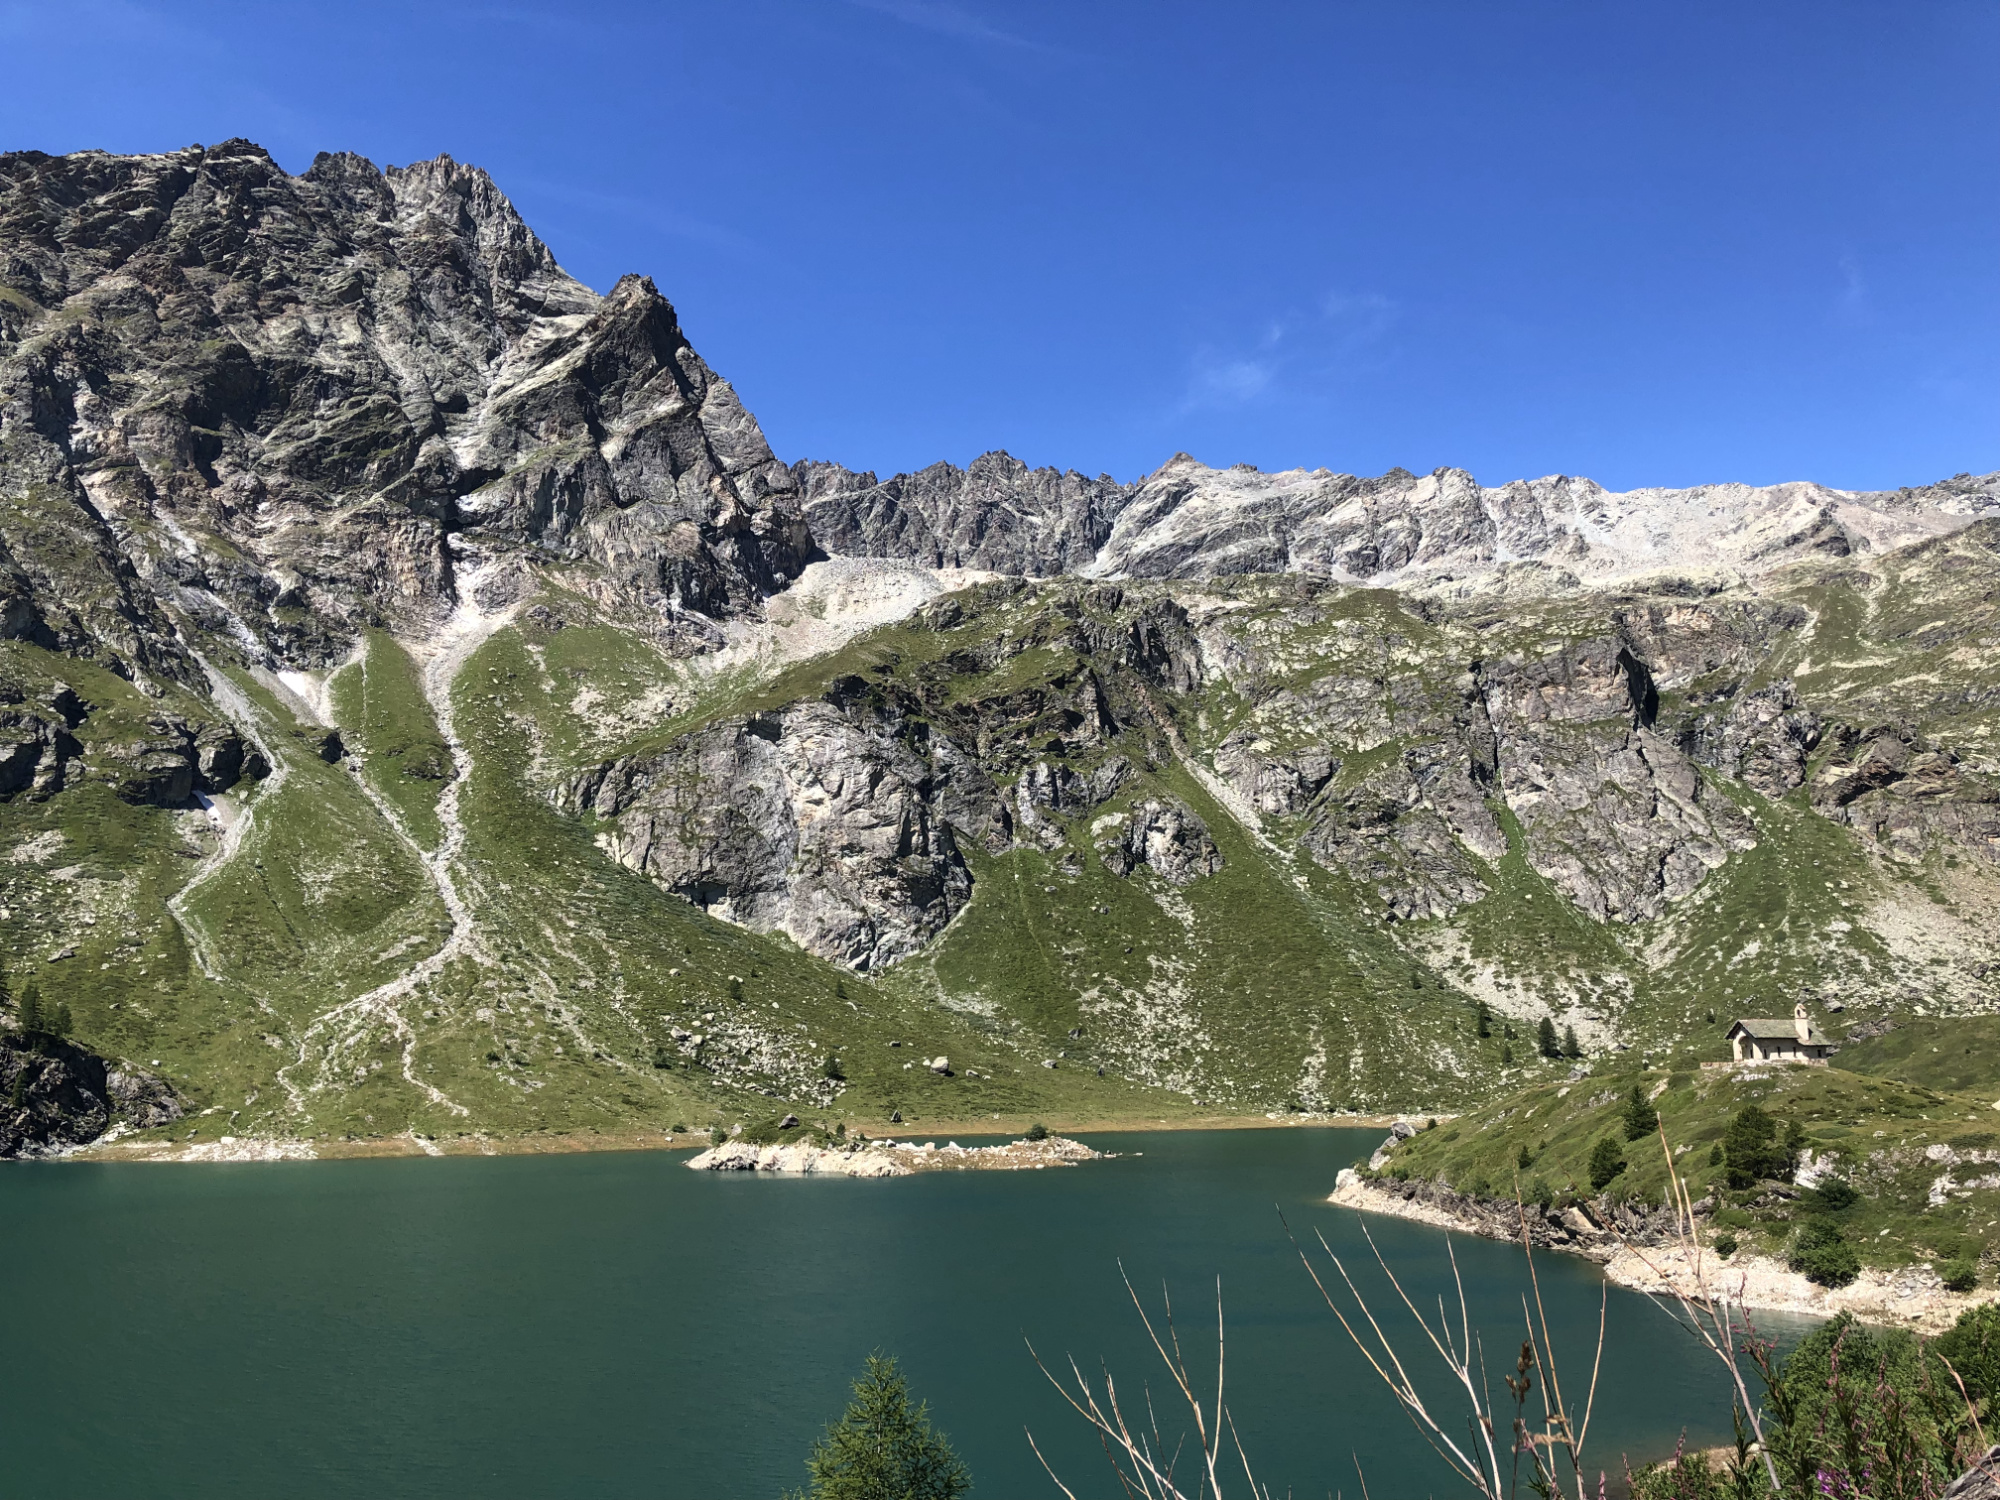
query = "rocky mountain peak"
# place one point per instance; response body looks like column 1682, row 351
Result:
column 1189, row 520
column 260, row 404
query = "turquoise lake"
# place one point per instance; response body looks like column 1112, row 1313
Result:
column 616, row 1325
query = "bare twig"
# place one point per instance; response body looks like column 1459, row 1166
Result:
column 1708, row 1316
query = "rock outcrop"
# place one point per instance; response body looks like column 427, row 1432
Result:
column 1161, row 833
column 54, row 1095
column 998, row 515
column 892, row 1158
column 832, row 821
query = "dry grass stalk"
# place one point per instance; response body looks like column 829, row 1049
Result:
column 1138, row 1454
column 1560, row 1441
column 1707, row 1312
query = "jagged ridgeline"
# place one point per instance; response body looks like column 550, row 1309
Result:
column 426, row 704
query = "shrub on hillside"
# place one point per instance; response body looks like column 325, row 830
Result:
column 1831, row 1196
column 1821, row 1254
column 1960, row 1275
column 1851, row 1412
column 1606, row 1162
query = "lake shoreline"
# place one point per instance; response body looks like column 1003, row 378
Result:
column 1911, row 1297
column 245, row 1148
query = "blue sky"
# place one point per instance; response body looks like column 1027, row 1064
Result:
column 1651, row 243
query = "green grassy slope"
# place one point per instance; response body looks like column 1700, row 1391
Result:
column 379, row 701
column 1960, row 1055
column 317, row 981
column 1876, row 1130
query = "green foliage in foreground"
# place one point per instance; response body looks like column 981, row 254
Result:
column 1855, row 1411
column 884, row 1447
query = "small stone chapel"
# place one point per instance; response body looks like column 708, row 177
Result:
column 1796, row 1040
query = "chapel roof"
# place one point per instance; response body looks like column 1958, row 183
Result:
column 1766, row 1029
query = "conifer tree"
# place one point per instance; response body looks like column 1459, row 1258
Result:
column 1571, row 1047
column 1485, row 1028
column 1606, row 1162
column 28, row 1012
column 1641, row 1119
column 1546, row 1037
column 884, row 1447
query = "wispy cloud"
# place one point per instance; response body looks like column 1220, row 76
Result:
column 1216, row 379
column 1851, row 305
column 948, row 19
column 650, row 212
column 1299, row 353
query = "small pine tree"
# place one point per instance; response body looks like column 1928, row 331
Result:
column 735, row 988
column 1525, row 1158
column 884, row 1447
column 1546, row 1038
column 833, row 1071
column 56, row 1022
column 1751, row 1148
column 1571, row 1047
column 1485, row 1027
column 6, row 989
column 1606, row 1162
column 1641, row 1119
column 840, row 989
column 1506, row 1054
column 28, row 1013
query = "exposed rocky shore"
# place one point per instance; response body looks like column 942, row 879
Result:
column 894, row 1158
column 1638, row 1248
column 55, row 1096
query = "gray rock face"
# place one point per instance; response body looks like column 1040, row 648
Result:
column 1187, row 520
column 55, row 1095
column 160, row 762
column 1161, row 833
column 1762, row 738
column 1612, row 812
column 1049, row 792
column 268, row 400
column 997, row 515
column 830, row 823
column 1892, row 784
column 140, row 1099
